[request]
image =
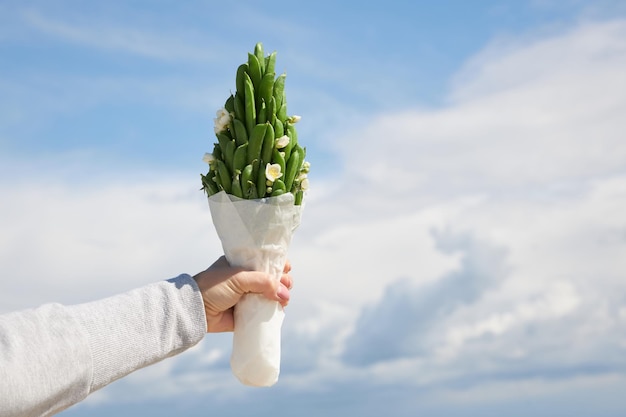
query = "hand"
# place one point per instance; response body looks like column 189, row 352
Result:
column 222, row 286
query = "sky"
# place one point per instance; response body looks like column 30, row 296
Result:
column 462, row 250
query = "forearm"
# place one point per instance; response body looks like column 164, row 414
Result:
column 55, row 356
column 135, row 329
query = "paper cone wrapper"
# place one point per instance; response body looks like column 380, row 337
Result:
column 256, row 235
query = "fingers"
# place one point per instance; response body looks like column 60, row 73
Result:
column 262, row 283
column 286, row 280
column 283, row 295
column 249, row 281
column 222, row 286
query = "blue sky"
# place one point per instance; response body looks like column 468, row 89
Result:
column 463, row 246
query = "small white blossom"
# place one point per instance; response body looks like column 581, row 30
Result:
column 304, row 184
column 306, row 166
column 282, row 141
column 272, row 172
column 208, row 158
column 222, row 120
column 294, row 119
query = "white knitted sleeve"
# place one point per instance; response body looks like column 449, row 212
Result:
column 54, row 356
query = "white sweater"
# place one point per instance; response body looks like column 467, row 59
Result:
column 54, row 356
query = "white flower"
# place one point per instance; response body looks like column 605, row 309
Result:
column 303, row 180
column 208, row 158
column 222, row 115
column 222, row 120
column 294, row 119
column 272, row 172
column 282, row 141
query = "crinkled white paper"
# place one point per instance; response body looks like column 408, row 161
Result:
column 256, row 234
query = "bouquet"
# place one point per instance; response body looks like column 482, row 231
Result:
column 255, row 185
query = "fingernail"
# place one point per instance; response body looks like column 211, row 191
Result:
column 283, row 293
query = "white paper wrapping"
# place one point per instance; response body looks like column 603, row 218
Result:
column 256, row 234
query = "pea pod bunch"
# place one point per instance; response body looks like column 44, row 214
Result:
column 257, row 153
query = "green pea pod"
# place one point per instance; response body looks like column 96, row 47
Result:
column 265, row 90
column 256, row 142
column 209, row 186
column 278, row 188
column 224, row 176
column 253, row 193
column 299, row 197
column 223, row 140
column 271, row 111
column 246, row 180
column 229, row 154
column 293, row 167
column 239, row 160
column 261, row 179
column 249, row 104
column 281, row 114
column 268, row 144
column 270, row 62
column 227, row 132
column 217, row 151
column 254, row 70
column 216, row 180
column 279, row 89
column 241, row 134
column 241, row 70
column 279, row 129
column 240, row 106
column 261, row 116
column 293, row 140
column 236, row 187
column 279, row 159
column 301, row 151
column 260, row 56
column 293, row 133
column 230, row 104
column 287, row 149
column 255, row 169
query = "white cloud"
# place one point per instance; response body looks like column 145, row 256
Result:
column 519, row 116
column 75, row 242
column 528, row 157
